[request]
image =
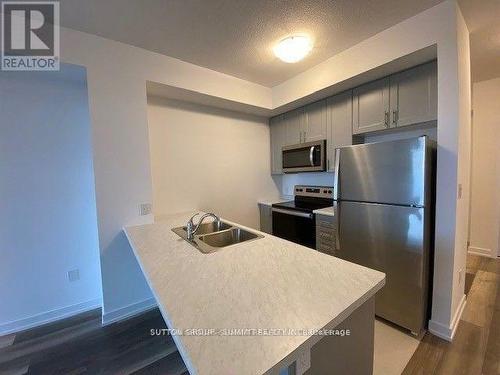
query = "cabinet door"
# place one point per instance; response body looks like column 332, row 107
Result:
column 266, row 219
column 278, row 139
column 294, row 126
column 339, row 125
column 371, row 107
column 414, row 95
column 315, row 123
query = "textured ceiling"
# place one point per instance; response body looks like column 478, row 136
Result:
column 236, row 36
column 483, row 20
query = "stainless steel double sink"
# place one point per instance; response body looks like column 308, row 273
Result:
column 216, row 235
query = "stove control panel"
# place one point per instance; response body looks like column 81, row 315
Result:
column 313, row 191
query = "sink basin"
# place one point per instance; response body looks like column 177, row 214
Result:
column 214, row 236
column 228, row 237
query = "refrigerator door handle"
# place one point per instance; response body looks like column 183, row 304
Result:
column 336, row 175
column 336, row 216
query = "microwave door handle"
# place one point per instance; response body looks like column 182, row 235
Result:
column 311, row 155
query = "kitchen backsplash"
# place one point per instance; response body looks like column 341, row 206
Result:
column 288, row 181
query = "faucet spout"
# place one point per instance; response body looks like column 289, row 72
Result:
column 191, row 228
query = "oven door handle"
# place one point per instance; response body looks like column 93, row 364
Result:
column 293, row 213
column 311, row 156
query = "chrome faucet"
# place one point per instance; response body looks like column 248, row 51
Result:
column 191, row 228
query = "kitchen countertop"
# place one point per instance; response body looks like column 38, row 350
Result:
column 270, row 202
column 328, row 211
column 266, row 283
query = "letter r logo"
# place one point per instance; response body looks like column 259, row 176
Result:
column 28, row 28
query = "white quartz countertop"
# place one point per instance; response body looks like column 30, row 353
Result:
column 270, row 202
column 267, row 283
column 328, row 211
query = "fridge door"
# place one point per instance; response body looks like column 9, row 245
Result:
column 390, row 239
column 387, row 172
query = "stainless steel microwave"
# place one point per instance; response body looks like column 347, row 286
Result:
column 304, row 157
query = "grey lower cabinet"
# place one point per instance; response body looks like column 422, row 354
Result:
column 339, row 125
column 370, row 104
column 266, row 218
column 325, row 234
column 413, row 97
column 278, row 140
column 405, row 98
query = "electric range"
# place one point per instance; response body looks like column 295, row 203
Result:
column 295, row 220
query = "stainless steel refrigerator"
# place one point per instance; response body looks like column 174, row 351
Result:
column 384, row 210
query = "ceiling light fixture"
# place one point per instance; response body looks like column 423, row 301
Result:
column 293, row 48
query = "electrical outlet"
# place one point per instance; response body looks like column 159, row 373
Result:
column 74, row 275
column 145, row 209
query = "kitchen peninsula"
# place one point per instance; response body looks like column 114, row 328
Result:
column 265, row 284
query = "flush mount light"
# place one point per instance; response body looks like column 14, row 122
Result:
column 293, row 48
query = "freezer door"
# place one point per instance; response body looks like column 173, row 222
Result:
column 390, row 239
column 386, row 172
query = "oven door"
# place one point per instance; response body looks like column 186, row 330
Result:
column 295, row 226
column 304, row 157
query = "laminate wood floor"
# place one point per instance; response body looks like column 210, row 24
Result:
column 80, row 345
column 476, row 346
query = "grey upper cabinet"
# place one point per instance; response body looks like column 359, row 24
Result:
column 315, row 122
column 413, row 97
column 370, row 104
column 402, row 99
column 339, row 130
column 294, row 126
column 278, row 132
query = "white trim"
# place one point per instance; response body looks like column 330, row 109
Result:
column 480, row 251
column 128, row 311
column 48, row 317
column 448, row 332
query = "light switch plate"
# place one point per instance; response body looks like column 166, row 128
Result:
column 145, row 209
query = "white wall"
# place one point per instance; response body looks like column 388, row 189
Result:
column 117, row 74
column 463, row 168
column 48, row 224
column 485, row 190
column 208, row 159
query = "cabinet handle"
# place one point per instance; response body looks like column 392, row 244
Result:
column 386, row 119
column 394, row 117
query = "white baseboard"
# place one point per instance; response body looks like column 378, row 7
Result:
column 48, row 317
column 128, row 311
column 448, row 332
column 481, row 251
